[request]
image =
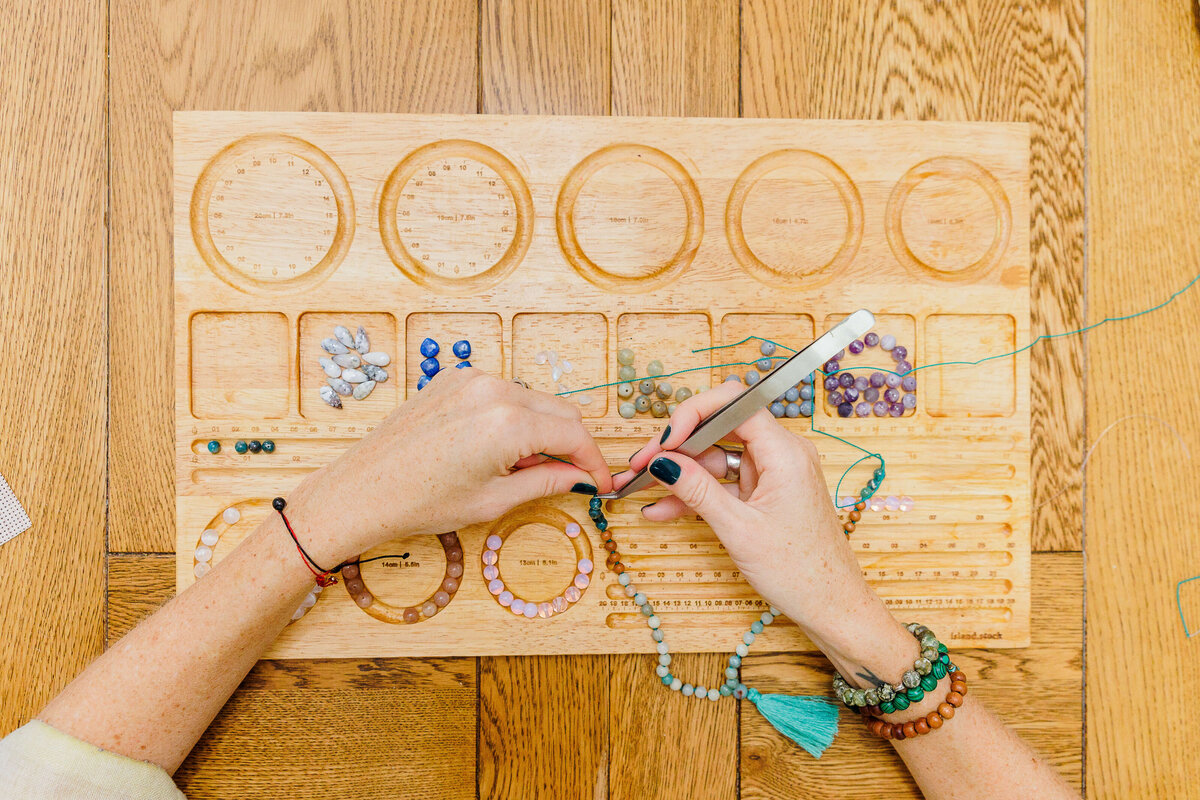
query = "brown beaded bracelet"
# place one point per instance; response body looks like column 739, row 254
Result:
column 921, row 725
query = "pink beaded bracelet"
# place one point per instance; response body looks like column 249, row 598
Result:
column 560, row 602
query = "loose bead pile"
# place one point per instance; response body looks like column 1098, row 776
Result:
column 797, row 401
column 559, row 368
column 351, row 369
column 653, row 394
column 891, row 394
column 431, row 366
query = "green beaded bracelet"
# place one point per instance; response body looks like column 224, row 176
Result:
column 930, row 666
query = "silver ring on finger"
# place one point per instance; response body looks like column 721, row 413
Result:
column 733, row 464
column 520, row 382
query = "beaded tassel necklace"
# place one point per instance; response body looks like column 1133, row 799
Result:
column 809, row 721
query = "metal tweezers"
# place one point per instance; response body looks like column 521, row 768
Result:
column 721, row 422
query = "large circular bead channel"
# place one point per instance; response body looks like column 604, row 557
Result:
column 368, row 602
column 533, row 609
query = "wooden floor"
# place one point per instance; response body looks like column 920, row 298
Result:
column 1113, row 95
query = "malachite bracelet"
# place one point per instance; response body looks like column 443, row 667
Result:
column 922, row 725
column 931, row 665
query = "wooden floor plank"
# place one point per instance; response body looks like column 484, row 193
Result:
column 1144, row 212
column 861, row 766
column 675, row 58
column 52, row 339
column 977, row 60
column 315, row 55
column 544, row 57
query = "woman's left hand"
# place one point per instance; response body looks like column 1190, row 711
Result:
column 466, row 449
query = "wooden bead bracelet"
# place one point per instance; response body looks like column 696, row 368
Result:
column 921, row 725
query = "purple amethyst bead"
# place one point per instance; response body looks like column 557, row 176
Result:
column 892, row 395
column 834, row 398
column 861, row 383
column 909, row 383
column 871, row 395
column 832, row 366
column 896, row 410
column 846, row 380
column 899, row 352
column 877, row 379
column 871, row 339
column 892, row 380
column 903, row 367
column 840, row 354
column 845, row 410
column 831, row 383
column 880, row 409
column 909, row 401
column 862, row 409
column 851, row 394
column 856, row 346
column 887, row 341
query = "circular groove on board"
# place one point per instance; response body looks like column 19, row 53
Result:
column 654, row 275
column 808, row 161
column 518, row 199
column 906, row 242
column 213, row 201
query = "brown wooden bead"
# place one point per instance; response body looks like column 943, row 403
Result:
column 886, row 731
column 612, row 559
column 848, row 527
column 959, row 686
column 955, row 699
column 921, row 726
column 874, row 711
column 897, row 732
column 876, row 727
column 861, row 505
column 934, row 719
column 946, row 710
column 958, row 676
column 856, row 515
column 610, row 546
column 618, row 568
column 910, row 731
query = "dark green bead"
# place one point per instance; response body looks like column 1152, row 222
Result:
column 879, row 474
column 944, row 659
column 929, row 683
column 595, row 513
column 255, row 445
column 240, row 446
column 939, row 670
column 916, row 694
column 602, row 525
column 900, row 702
column 942, row 648
column 666, row 679
column 594, row 502
column 268, row 446
column 864, row 494
column 214, row 446
column 887, row 707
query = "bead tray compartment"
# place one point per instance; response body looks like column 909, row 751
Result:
column 583, row 236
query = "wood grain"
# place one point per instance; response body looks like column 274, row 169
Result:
column 138, row 585
column 1144, row 212
column 978, row 60
column 859, row 765
column 544, row 57
column 52, row 331
column 316, row 55
column 675, row 57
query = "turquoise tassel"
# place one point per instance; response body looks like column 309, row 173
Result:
column 811, row 722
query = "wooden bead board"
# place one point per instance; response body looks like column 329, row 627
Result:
column 585, row 235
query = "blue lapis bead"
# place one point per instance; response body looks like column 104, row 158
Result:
column 423, row 382
column 462, row 365
column 430, row 366
column 429, row 348
column 462, row 348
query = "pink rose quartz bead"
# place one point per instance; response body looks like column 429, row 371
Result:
column 493, row 542
column 411, row 615
column 544, row 610
column 365, row 599
column 531, row 610
column 448, row 539
column 350, row 571
column 490, row 557
column 572, row 594
column 429, row 609
column 559, row 604
column 454, row 569
column 518, row 606
column 892, row 503
column 450, row 585
column 354, row 587
column 440, row 599
column 573, row 529
column 505, row 598
column 582, row 581
column 491, row 572
column 585, row 566
column 454, row 554
column 496, row 586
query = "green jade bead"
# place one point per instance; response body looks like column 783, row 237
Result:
column 627, row 373
column 916, row 694
column 725, row 690
column 655, row 368
column 929, row 683
column 666, row 679
column 756, row 627
column 625, row 356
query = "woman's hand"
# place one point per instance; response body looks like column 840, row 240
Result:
column 779, row 526
column 466, row 449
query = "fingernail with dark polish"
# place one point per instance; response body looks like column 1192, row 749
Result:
column 630, row 459
column 646, row 506
column 665, row 470
column 583, row 488
column 666, row 433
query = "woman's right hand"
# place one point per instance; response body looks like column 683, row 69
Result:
column 779, row 526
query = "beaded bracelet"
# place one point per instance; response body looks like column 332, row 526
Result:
column 921, row 725
column 930, row 667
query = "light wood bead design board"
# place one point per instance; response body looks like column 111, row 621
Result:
column 584, row 235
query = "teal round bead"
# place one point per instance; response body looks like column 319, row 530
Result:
column 944, row 658
column 731, row 672
column 240, row 446
column 879, row 473
column 929, row 683
column 939, row 670
column 735, row 661
column 725, row 690
column 900, row 702
column 756, row 628
column 916, row 694
column 942, row 648
column 602, row 524
column 887, row 707
column 268, row 446
column 666, row 679
column 214, row 446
